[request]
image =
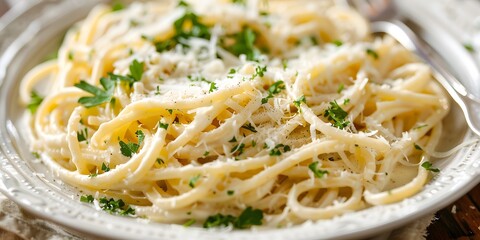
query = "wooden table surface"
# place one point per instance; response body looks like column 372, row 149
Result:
column 460, row 220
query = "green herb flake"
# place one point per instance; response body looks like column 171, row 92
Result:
column 233, row 139
column 469, row 47
column 82, row 135
column 420, row 127
column 277, row 150
column 113, row 206
column 337, row 43
column 417, row 147
column 336, row 114
column 117, row 6
column 299, row 101
column 275, row 88
column 238, row 149
column 189, row 223
column 249, row 127
column 92, row 175
column 318, row 173
column 163, row 125
column 206, row 153
column 160, row 161
column 340, row 88
column 136, row 70
column 105, row 167
column 247, row 218
column 372, row 53
column 70, row 55
column 254, row 143
column 346, row 101
column 245, row 44
column 230, row 192
column 213, row 87
column 100, row 96
column 193, row 181
column 428, row 166
column 86, row 199
column 36, row 155
column 128, row 149
column 35, row 101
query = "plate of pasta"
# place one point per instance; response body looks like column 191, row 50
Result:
column 225, row 119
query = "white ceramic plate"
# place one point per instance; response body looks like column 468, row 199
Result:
column 35, row 29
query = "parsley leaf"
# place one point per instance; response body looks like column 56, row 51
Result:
column 299, row 101
column 337, row 43
column 99, row 95
column 193, row 181
column 136, row 70
column 86, row 198
column 128, row 149
column 213, row 87
column 245, row 44
column 36, row 154
column 115, row 206
column 417, row 147
column 372, row 53
column 189, row 223
column 249, row 127
column 336, row 114
column 82, row 135
column 105, row 167
column 163, row 125
column 340, row 88
column 247, row 218
column 35, row 101
column 469, row 47
column 160, row 161
column 276, row 151
column 238, row 149
column 117, row 6
column 275, row 88
column 230, row 192
column 428, row 166
column 318, row 173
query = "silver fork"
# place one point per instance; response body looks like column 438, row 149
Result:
column 385, row 19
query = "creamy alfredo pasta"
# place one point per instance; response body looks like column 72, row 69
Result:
column 220, row 113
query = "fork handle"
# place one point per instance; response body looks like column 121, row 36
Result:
column 467, row 102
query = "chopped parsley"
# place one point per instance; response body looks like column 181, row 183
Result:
column 372, row 53
column 230, row 192
column 245, row 44
column 136, row 70
column 163, row 125
column 238, row 149
column 100, row 96
column 105, row 167
column 249, row 127
column 82, row 135
column 428, row 166
column 275, row 88
column 276, row 151
column 259, row 71
column 419, row 127
column 185, row 27
column 469, row 47
column 36, row 154
column 92, row 175
column 128, row 149
column 35, row 101
column 336, row 114
column 247, row 218
column 193, row 181
column 113, row 206
column 340, row 88
column 70, row 56
column 160, row 161
column 206, row 153
column 337, row 43
column 346, row 101
column 233, row 139
column 299, row 101
column 318, row 173
column 117, row 6
column 241, row 2
column 86, row 199
column 189, row 223
column 213, row 87
column 417, row 147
